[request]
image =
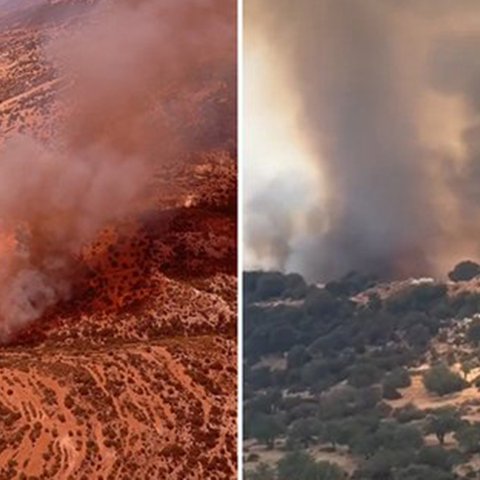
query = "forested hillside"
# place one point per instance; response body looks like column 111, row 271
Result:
column 362, row 379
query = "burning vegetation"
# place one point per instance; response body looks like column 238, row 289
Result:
column 119, row 128
column 118, row 228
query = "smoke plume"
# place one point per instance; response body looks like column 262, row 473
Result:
column 389, row 106
column 120, row 67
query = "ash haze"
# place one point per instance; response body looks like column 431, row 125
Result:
column 54, row 198
column 362, row 135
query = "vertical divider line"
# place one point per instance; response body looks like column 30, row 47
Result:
column 240, row 210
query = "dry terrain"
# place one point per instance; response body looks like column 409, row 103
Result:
column 135, row 376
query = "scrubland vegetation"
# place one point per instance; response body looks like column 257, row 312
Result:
column 359, row 379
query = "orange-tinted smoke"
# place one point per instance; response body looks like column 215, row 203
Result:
column 120, row 69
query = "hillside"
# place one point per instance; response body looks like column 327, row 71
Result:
column 134, row 375
column 362, row 379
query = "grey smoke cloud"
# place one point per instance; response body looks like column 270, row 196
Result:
column 364, row 71
column 55, row 198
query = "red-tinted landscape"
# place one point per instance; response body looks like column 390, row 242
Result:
column 132, row 374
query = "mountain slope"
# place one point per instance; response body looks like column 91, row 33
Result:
column 134, row 376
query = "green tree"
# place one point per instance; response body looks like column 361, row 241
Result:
column 267, row 402
column 436, row 456
column 389, row 438
column 467, row 366
column 408, row 413
column 270, row 285
column 294, row 465
column 383, row 461
column 364, row 375
column 296, row 286
column 418, row 335
column 395, row 436
column 301, row 466
column 333, row 432
column 297, row 356
column 443, row 421
column 351, row 284
column 302, row 432
column 266, row 428
column 281, row 339
column 422, row 472
column 398, row 378
column 258, row 377
column 468, row 437
column 321, row 303
column 442, row 381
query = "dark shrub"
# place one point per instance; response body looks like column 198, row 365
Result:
column 398, row 378
column 408, row 413
column 442, row 381
column 270, row 285
column 364, row 375
column 464, row 271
